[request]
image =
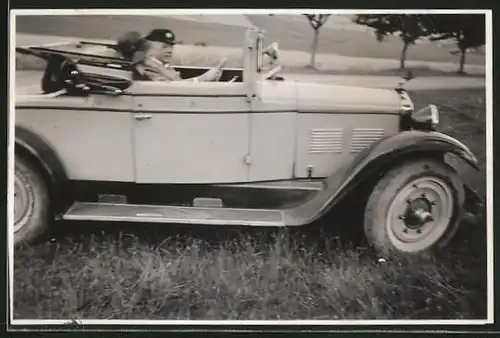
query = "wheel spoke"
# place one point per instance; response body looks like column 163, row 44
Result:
column 22, row 201
column 420, row 213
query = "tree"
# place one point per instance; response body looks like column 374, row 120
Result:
column 467, row 30
column 409, row 27
column 316, row 21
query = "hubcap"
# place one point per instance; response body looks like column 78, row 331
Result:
column 420, row 214
column 22, row 203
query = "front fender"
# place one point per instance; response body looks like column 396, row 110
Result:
column 372, row 160
column 416, row 142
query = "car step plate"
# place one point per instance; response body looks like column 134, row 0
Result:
column 106, row 212
column 280, row 185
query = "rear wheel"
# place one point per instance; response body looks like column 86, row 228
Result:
column 31, row 202
column 414, row 208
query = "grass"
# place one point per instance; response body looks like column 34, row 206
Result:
column 109, row 279
column 324, row 273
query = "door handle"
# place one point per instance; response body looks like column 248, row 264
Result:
column 141, row 117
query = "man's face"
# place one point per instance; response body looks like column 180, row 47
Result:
column 162, row 51
column 168, row 51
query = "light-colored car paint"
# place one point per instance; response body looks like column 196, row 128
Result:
column 212, row 132
column 192, row 148
column 92, row 145
column 205, row 139
column 327, row 141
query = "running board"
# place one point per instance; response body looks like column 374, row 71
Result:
column 108, row 212
column 315, row 185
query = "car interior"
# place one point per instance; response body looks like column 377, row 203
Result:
column 68, row 70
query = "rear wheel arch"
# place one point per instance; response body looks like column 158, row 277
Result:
column 23, row 152
column 32, row 202
column 43, row 158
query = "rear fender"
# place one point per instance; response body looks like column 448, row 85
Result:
column 376, row 160
column 39, row 153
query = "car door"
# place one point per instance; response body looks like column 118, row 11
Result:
column 189, row 132
column 272, row 131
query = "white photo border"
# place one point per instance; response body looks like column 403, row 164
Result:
column 489, row 171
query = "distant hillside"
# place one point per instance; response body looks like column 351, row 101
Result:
column 339, row 36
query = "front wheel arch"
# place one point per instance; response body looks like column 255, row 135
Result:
column 369, row 165
column 369, row 178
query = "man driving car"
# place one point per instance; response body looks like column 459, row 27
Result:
column 153, row 59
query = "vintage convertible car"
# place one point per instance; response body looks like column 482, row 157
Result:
column 99, row 145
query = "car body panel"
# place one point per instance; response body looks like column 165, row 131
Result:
column 326, row 141
column 257, row 130
column 192, row 148
column 94, row 145
column 384, row 152
column 272, row 146
column 198, row 132
column 323, row 98
column 205, row 119
column 187, row 89
column 275, row 96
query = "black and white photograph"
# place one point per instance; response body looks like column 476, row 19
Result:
column 259, row 167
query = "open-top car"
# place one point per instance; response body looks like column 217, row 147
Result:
column 100, row 145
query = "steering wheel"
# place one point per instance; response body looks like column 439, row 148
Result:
column 212, row 75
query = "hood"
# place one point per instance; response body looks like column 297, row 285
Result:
column 324, row 98
column 346, row 99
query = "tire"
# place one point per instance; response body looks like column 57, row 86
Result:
column 429, row 186
column 31, row 202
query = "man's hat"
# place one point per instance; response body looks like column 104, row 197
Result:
column 162, row 35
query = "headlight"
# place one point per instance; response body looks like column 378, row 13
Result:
column 426, row 118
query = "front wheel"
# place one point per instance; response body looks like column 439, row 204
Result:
column 414, row 208
column 31, row 202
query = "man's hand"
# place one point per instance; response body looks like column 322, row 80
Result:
column 221, row 63
column 219, row 69
column 214, row 74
